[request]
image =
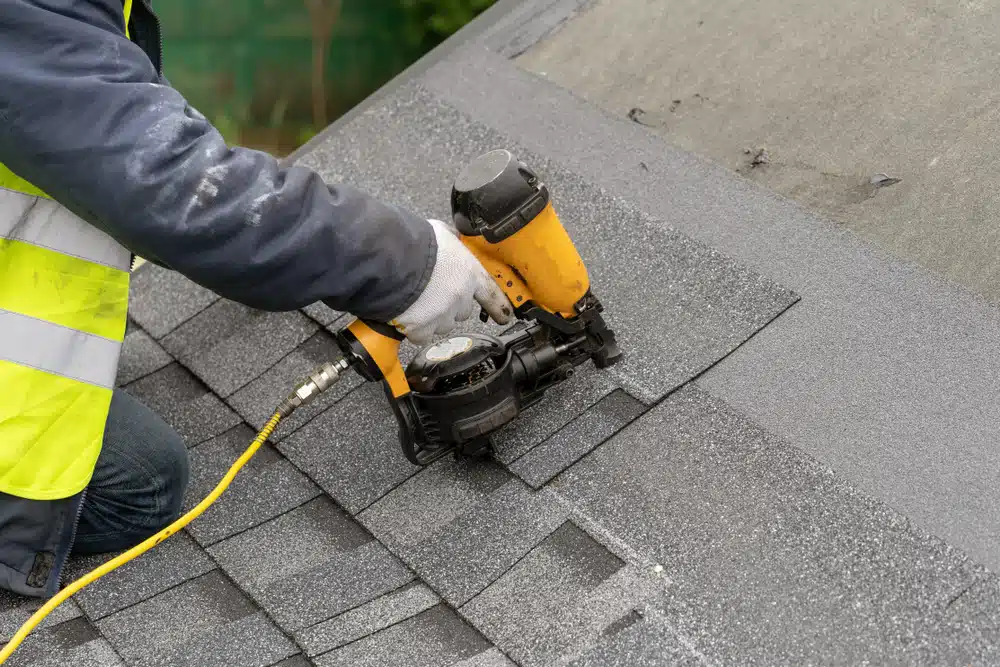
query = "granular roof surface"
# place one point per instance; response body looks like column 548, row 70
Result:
column 708, row 501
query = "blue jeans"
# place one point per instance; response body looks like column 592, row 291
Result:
column 139, row 482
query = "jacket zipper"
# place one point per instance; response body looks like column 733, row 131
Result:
column 159, row 42
column 159, row 37
column 155, row 21
column 72, row 539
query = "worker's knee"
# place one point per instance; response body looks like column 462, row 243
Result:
column 166, row 467
column 139, row 483
column 144, row 463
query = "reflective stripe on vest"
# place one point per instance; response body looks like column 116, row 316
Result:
column 63, row 306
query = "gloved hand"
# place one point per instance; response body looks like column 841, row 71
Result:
column 457, row 283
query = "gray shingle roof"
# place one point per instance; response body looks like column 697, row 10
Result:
column 267, row 487
column 642, row 516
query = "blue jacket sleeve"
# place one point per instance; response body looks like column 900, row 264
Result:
column 84, row 116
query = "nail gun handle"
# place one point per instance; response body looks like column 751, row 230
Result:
column 506, row 217
column 539, row 263
column 503, row 274
column 374, row 351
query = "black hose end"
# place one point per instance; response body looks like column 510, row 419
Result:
column 286, row 408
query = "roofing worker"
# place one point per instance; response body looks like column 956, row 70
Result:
column 102, row 159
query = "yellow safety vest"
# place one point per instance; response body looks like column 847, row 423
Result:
column 64, row 288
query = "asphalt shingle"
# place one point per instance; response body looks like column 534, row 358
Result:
column 323, row 314
column 577, row 438
column 257, row 401
column 295, row 661
column 967, row 630
column 309, row 565
column 641, row 641
column 460, row 527
column 184, row 403
column 753, row 534
column 140, row 356
column 491, row 658
column 470, row 552
column 558, row 407
column 160, row 300
column 352, row 449
column 434, row 638
column 679, row 308
column 205, row 622
column 362, row 621
column 74, row 643
column 228, row 344
column 441, row 493
column 267, row 486
column 16, row 609
column 172, row 562
column 559, row 598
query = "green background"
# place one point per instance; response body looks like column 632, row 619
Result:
column 249, row 65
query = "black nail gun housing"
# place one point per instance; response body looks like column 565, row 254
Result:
column 466, row 387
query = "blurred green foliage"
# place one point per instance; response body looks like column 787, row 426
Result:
column 272, row 73
column 433, row 21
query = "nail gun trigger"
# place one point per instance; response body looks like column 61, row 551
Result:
column 483, row 316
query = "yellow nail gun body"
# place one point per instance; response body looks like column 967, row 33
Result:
column 456, row 392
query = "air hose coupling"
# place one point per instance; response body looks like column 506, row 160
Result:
column 318, row 381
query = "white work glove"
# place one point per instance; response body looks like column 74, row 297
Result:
column 458, row 282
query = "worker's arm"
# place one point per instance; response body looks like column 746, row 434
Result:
column 83, row 117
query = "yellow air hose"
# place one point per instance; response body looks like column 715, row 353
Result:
column 317, row 382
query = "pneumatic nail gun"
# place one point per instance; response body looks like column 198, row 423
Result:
column 457, row 392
